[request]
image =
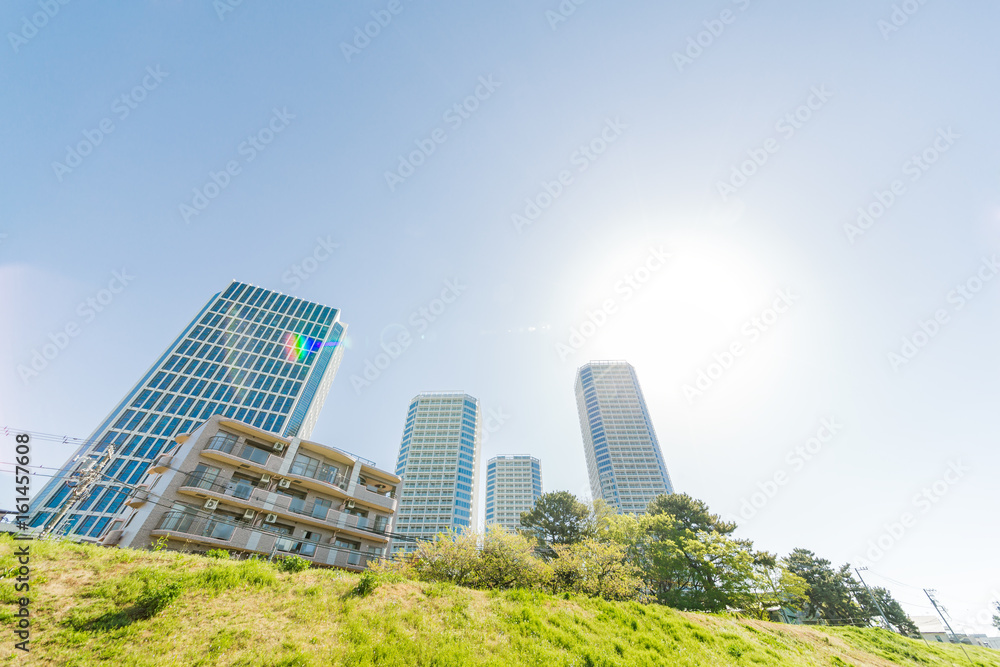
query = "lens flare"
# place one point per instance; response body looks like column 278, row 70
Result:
column 298, row 347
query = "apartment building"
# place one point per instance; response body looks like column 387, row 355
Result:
column 229, row 485
column 513, row 484
column 250, row 354
column 624, row 460
column 439, row 463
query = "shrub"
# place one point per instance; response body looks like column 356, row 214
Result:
column 502, row 560
column 366, row 585
column 291, row 563
column 597, row 569
column 218, row 553
column 156, row 598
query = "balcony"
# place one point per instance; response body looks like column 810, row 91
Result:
column 162, row 463
column 138, row 497
column 231, row 447
column 213, row 483
column 238, row 536
column 212, row 529
column 325, row 474
column 383, row 500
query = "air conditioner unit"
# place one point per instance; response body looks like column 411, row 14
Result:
column 279, row 446
column 284, row 483
column 211, row 504
column 270, row 518
column 265, row 479
column 249, row 514
column 350, row 504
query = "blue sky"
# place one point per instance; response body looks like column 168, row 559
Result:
column 646, row 144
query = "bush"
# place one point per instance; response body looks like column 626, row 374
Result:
column 503, row 560
column 291, row 563
column 218, row 553
column 596, row 569
column 366, row 585
column 156, row 598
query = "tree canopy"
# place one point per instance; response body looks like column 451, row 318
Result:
column 558, row 518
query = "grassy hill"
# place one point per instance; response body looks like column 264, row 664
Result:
column 96, row 606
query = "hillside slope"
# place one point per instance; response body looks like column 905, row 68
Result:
column 95, row 606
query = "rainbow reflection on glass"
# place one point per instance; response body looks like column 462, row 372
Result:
column 298, row 347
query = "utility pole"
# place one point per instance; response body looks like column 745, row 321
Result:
column 873, row 599
column 93, row 472
column 947, row 625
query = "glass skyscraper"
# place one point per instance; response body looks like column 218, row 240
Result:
column 251, row 354
column 513, row 484
column 623, row 456
column 439, row 464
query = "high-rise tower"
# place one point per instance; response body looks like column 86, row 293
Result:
column 251, row 354
column 623, row 456
column 439, row 464
column 513, row 484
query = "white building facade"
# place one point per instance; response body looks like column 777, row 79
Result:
column 624, row 460
column 513, row 484
column 439, row 465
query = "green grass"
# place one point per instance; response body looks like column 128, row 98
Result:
column 95, row 606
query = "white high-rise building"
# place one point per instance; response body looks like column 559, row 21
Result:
column 513, row 484
column 623, row 455
column 439, row 463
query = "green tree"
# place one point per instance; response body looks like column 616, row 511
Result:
column 894, row 613
column 776, row 587
column 558, row 518
column 687, row 556
column 689, row 514
column 996, row 617
column 830, row 593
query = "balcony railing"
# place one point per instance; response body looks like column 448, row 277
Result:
column 192, row 524
column 326, row 474
column 211, row 481
column 221, row 530
column 229, row 444
column 257, row 497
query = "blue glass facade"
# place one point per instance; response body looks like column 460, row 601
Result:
column 439, row 463
column 251, row 354
column 624, row 459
